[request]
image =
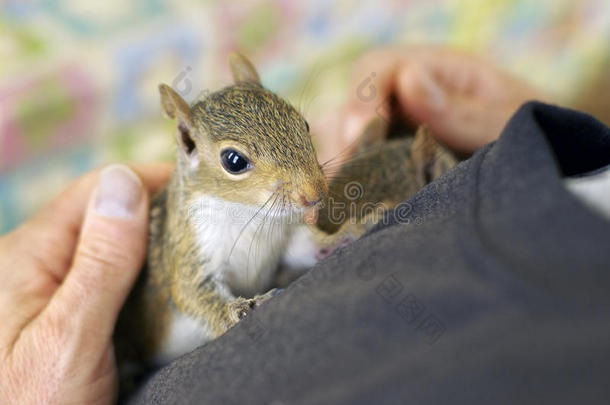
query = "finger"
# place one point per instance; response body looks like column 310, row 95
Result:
column 462, row 122
column 52, row 234
column 42, row 249
column 455, row 71
column 374, row 83
column 109, row 255
column 468, row 125
column 373, row 77
column 426, row 82
column 336, row 135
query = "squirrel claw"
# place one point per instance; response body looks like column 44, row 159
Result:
column 261, row 299
column 242, row 314
column 240, row 308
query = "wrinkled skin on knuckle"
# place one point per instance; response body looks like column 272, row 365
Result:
column 32, row 371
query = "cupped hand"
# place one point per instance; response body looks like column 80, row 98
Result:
column 463, row 99
column 64, row 276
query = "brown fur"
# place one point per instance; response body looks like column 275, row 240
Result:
column 380, row 176
column 274, row 137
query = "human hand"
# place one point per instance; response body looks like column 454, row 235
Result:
column 65, row 275
column 463, row 99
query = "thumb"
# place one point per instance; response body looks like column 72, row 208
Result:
column 109, row 254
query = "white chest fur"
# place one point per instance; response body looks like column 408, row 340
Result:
column 242, row 244
column 185, row 334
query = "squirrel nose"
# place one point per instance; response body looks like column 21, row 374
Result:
column 307, row 202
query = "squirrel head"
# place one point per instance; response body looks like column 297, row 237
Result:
column 245, row 144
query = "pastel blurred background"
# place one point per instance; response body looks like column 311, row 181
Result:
column 78, row 80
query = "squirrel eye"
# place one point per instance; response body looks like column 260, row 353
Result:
column 234, row 162
column 307, row 125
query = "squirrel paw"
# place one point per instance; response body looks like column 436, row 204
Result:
column 327, row 251
column 240, row 308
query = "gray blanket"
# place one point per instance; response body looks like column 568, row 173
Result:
column 492, row 285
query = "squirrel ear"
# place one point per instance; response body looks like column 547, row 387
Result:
column 431, row 159
column 176, row 108
column 243, row 70
column 174, row 105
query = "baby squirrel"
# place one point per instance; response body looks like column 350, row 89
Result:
column 390, row 165
column 246, row 172
column 232, row 214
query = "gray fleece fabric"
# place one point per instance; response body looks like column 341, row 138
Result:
column 490, row 286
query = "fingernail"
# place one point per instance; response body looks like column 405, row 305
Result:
column 434, row 93
column 118, row 193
